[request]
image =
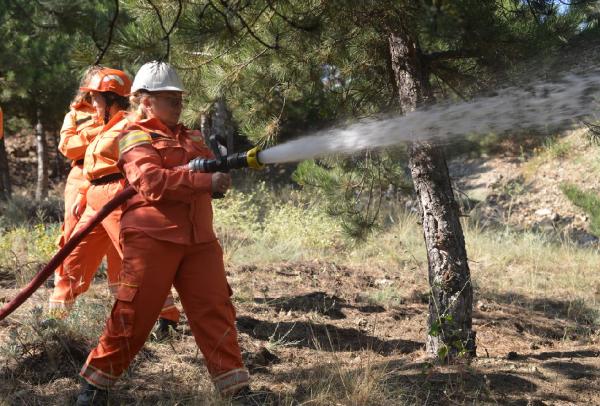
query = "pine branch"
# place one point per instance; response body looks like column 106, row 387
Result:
column 218, row 56
column 225, row 18
column 452, row 87
column 288, row 20
column 247, row 26
column 167, row 37
column 110, row 35
column 206, row 6
column 177, row 16
column 435, row 57
column 95, row 40
column 593, row 132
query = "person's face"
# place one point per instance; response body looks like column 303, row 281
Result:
column 166, row 106
column 99, row 103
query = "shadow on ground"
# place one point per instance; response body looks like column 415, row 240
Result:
column 322, row 337
column 320, row 302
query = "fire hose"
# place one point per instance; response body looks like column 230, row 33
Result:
column 248, row 159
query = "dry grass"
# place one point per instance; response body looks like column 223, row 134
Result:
column 504, row 262
column 555, row 149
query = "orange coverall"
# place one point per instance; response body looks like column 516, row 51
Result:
column 168, row 239
column 79, row 128
column 103, row 180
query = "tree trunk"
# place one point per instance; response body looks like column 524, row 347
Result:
column 450, row 331
column 5, row 185
column 41, row 191
column 205, row 125
column 222, row 123
column 59, row 160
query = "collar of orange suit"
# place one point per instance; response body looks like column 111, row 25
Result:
column 83, row 106
column 114, row 120
column 155, row 125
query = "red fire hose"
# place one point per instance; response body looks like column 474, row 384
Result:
column 59, row 257
column 249, row 159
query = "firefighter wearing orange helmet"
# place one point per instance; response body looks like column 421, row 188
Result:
column 80, row 126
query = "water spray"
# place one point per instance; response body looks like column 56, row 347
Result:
column 544, row 107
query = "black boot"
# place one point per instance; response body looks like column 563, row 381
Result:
column 164, row 330
column 247, row 397
column 91, row 396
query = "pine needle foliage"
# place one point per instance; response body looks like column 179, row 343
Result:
column 288, row 67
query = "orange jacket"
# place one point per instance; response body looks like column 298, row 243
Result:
column 171, row 205
column 79, row 128
column 102, row 155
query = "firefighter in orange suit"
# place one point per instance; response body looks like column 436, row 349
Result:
column 80, row 127
column 103, row 180
column 167, row 239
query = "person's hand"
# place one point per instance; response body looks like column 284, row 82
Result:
column 221, row 182
column 79, row 205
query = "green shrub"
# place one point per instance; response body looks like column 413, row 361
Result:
column 21, row 210
column 586, row 200
column 24, row 249
column 556, row 148
column 261, row 227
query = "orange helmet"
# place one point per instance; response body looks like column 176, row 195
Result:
column 109, row 80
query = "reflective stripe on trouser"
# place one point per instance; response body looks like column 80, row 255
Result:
column 231, row 381
column 78, row 269
column 150, row 267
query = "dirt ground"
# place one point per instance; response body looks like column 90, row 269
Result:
column 332, row 343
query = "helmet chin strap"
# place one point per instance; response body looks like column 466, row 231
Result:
column 108, row 101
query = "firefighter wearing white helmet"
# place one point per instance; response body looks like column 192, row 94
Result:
column 157, row 77
column 157, row 92
column 168, row 240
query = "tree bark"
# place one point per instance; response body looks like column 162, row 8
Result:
column 450, row 331
column 222, row 123
column 5, row 184
column 59, row 160
column 41, row 191
column 205, row 125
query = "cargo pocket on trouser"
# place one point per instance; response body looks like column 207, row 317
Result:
column 120, row 324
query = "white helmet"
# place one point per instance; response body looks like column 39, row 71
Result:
column 157, row 76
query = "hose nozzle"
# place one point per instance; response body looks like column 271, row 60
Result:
column 252, row 159
column 248, row 159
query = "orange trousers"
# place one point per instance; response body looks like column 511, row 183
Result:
column 150, row 268
column 80, row 266
column 62, row 297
